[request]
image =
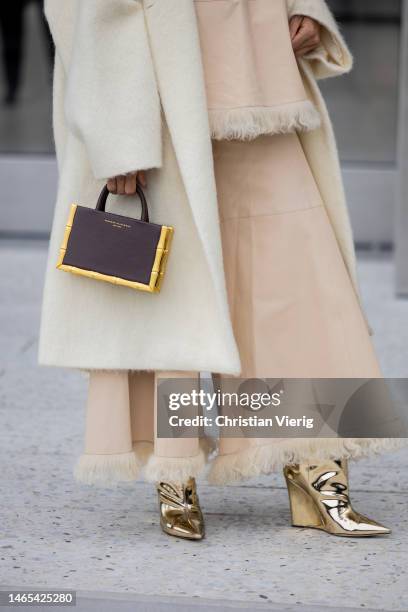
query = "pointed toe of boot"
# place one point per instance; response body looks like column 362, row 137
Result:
column 367, row 527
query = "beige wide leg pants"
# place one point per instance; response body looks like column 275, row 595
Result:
column 294, row 313
column 120, row 432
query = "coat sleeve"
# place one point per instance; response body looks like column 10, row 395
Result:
column 112, row 103
column 332, row 57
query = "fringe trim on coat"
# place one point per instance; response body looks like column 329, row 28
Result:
column 267, row 458
column 174, row 469
column 107, row 470
column 250, row 122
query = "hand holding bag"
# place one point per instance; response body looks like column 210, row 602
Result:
column 115, row 248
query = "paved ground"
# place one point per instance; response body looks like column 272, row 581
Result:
column 57, row 534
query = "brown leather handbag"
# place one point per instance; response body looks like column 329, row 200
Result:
column 114, row 248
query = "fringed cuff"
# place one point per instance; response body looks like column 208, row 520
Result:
column 143, row 450
column 107, row 470
column 250, row 122
column 273, row 456
column 174, row 469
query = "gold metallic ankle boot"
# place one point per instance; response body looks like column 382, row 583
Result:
column 319, row 498
column 180, row 512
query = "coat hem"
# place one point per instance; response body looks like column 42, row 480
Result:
column 170, row 367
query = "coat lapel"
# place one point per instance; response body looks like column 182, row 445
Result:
column 176, row 54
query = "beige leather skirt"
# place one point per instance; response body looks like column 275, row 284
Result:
column 294, row 311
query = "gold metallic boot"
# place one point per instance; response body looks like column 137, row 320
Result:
column 319, row 498
column 180, row 512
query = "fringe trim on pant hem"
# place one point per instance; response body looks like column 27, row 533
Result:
column 174, row 469
column 143, row 450
column 209, row 446
column 267, row 458
column 250, row 122
column 107, row 470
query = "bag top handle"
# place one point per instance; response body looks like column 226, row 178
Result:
column 101, row 203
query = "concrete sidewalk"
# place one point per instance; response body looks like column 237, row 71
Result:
column 58, row 534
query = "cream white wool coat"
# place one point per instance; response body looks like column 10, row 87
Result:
column 129, row 94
